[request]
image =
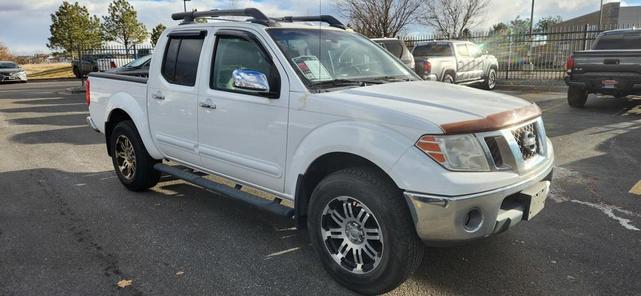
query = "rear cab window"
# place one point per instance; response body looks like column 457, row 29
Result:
column 619, row 40
column 182, row 54
column 433, row 49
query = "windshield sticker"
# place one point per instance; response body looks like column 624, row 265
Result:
column 312, row 68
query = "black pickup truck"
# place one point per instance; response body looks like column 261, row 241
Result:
column 611, row 67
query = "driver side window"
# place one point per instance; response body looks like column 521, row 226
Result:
column 233, row 52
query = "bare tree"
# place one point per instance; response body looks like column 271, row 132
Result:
column 5, row 54
column 451, row 18
column 378, row 18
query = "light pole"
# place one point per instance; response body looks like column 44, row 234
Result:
column 600, row 15
column 185, row 4
column 532, row 17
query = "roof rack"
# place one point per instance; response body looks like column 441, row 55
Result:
column 330, row 20
column 257, row 16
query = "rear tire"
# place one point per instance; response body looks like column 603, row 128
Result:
column 577, row 97
column 388, row 255
column 132, row 163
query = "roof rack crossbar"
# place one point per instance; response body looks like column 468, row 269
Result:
column 257, row 15
column 330, row 20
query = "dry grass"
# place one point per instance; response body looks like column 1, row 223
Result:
column 48, row 71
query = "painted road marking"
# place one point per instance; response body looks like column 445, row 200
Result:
column 636, row 189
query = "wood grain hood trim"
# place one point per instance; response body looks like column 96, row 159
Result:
column 494, row 121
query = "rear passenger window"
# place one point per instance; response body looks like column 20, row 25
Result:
column 461, row 50
column 180, row 63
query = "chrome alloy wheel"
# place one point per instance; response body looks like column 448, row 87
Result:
column 352, row 235
column 491, row 80
column 125, row 157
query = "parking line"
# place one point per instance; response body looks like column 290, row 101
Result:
column 636, row 189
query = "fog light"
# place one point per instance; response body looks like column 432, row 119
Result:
column 473, row 220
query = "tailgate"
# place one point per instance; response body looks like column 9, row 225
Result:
column 604, row 61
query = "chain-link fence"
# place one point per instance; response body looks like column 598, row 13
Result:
column 107, row 58
column 536, row 56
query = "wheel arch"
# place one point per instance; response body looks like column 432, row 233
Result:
column 321, row 167
column 124, row 107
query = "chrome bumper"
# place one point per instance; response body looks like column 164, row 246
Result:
column 92, row 124
column 442, row 220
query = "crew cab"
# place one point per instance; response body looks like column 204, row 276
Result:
column 454, row 61
column 373, row 159
column 611, row 67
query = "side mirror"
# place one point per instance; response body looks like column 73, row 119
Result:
column 250, row 80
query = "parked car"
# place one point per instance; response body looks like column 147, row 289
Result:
column 373, row 159
column 611, row 67
column 96, row 63
column 454, row 61
column 138, row 67
column 397, row 48
column 10, row 71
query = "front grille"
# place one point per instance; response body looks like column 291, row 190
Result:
column 495, row 151
column 527, row 139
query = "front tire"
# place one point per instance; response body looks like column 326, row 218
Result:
column 490, row 79
column 577, row 97
column 132, row 163
column 362, row 229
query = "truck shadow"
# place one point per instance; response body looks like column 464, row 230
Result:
column 80, row 135
column 599, row 111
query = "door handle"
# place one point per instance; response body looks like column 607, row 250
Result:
column 158, row 97
column 208, row 106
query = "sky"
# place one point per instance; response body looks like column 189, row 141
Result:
column 24, row 25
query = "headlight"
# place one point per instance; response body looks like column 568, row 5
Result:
column 455, row 152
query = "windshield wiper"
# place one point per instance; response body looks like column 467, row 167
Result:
column 346, row 82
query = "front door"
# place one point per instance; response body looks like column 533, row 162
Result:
column 173, row 97
column 243, row 134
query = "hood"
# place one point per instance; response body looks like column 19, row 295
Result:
column 10, row 70
column 430, row 102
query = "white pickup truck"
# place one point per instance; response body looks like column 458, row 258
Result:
column 374, row 160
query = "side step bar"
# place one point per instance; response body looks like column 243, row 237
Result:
column 271, row 206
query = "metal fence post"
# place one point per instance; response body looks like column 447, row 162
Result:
column 585, row 37
column 509, row 58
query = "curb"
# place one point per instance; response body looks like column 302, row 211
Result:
column 533, row 85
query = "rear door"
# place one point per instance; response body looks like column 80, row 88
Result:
column 243, row 135
column 173, row 96
column 463, row 62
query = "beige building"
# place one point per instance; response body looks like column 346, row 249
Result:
column 614, row 16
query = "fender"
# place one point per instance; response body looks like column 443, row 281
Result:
column 379, row 144
column 133, row 107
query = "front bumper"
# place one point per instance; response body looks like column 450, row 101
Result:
column 13, row 77
column 443, row 220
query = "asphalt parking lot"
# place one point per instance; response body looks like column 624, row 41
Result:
column 67, row 226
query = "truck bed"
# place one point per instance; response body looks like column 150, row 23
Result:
column 115, row 89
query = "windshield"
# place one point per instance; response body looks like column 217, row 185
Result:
column 433, row 49
column 8, row 65
column 138, row 62
column 321, row 57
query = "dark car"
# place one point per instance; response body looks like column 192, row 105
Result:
column 138, row 67
column 611, row 67
column 397, row 48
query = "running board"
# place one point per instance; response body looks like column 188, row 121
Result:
column 273, row 207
